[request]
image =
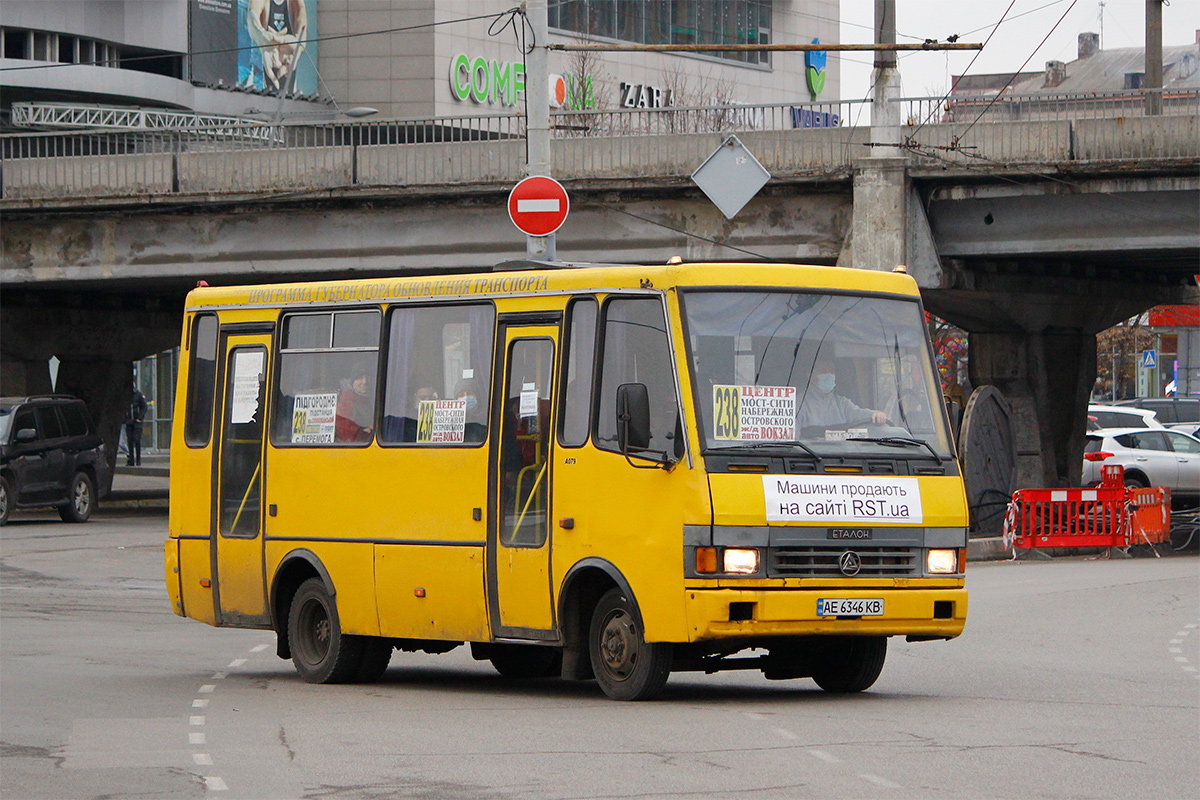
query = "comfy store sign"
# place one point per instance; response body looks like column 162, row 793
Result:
column 490, row 82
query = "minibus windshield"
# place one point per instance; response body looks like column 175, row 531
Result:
column 828, row 374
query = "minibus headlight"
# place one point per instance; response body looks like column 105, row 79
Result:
column 741, row 561
column 942, row 562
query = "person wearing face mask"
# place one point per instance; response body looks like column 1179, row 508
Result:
column 822, row 407
column 356, row 406
column 476, row 430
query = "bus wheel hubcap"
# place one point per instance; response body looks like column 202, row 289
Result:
column 619, row 644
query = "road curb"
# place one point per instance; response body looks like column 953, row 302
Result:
column 987, row 549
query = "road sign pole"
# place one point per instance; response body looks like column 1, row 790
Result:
column 537, row 127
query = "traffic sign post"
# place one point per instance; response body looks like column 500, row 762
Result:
column 538, row 206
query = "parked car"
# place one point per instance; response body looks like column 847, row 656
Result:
column 1150, row 456
column 1121, row 417
column 50, row 455
column 1169, row 410
column 1190, row 428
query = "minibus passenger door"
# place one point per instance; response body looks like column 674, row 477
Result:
column 519, row 529
column 238, row 585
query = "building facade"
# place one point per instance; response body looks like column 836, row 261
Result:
column 404, row 58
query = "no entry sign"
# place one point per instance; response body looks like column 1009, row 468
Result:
column 538, row 205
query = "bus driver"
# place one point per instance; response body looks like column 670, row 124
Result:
column 820, row 407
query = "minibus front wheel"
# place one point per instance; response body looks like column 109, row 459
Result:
column 626, row 666
column 850, row 663
column 320, row 651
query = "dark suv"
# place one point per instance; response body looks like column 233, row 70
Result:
column 50, row 455
column 1169, row 410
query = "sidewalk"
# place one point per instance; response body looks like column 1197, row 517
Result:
column 146, row 486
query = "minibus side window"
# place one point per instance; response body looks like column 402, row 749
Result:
column 578, row 371
column 328, row 369
column 439, row 375
column 202, row 381
column 636, row 350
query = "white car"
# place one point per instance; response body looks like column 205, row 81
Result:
column 1121, row 417
column 1150, row 456
column 1190, row 428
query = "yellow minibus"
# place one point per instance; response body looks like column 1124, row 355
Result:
column 607, row 472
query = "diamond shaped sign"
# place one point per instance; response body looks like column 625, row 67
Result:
column 731, row 177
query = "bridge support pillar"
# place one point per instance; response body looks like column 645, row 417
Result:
column 890, row 225
column 106, row 385
column 1032, row 335
column 1047, row 378
column 877, row 233
column 23, row 376
column 96, row 339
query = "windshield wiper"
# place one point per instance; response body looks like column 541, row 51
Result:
column 896, row 441
column 770, row 445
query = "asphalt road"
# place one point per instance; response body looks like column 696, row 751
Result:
column 1076, row 678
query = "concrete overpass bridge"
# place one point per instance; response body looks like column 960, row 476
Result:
column 1033, row 225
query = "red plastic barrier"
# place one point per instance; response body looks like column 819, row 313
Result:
column 1151, row 514
column 1108, row 515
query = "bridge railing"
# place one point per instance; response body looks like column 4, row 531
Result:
column 790, row 139
column 1052, row 127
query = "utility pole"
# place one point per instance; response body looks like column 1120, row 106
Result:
column 537, row 119
column 1154, row 58
column 885, row 111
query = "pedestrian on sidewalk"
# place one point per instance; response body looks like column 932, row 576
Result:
column 135, row 414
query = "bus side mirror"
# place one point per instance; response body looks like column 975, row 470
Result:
column 633, row 417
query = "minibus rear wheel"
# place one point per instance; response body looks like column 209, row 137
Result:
column 851, row 663
column 626, row 666
column 320, row 651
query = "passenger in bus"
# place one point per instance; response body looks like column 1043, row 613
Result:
column 821, row 407
column 476, row 428
column 411, row 420
column 356, row 406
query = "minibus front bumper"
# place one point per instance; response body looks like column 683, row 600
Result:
column 922, row 613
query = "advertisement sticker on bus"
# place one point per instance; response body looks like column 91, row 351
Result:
column 823, row 498
column 441, row 421
column 314, row 418
column 763, row 413
column 247, row 374
column 529, row 400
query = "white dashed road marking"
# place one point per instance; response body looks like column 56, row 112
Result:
column 1182, row 660
column 829, row 758
column 213, row 783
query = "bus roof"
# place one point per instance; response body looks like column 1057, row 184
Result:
column 568, row 278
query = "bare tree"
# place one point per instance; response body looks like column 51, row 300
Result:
column 589, row 88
